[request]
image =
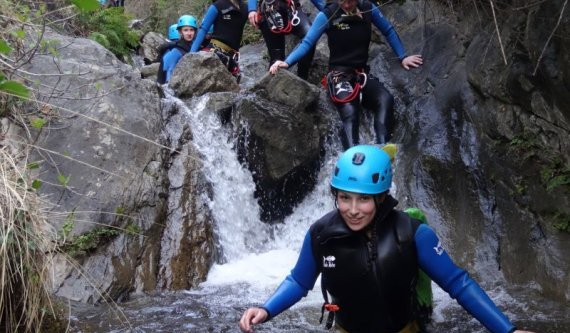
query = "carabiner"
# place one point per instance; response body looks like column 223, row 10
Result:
column 295, row 20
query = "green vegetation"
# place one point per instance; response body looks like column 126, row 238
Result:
column 250, row 35
column 555, row 174
column 562, row 221
column 110, row 28
column 88, row 242
column 24, row 249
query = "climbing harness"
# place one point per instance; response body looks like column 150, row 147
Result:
column 331, row 308
column 272, row 11
column 344, row 85
column 228, row 56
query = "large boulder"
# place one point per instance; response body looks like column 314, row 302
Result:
column 150, row 43
column 286, row 89
column 280, row 140
column 114, row 177
column 199, row 73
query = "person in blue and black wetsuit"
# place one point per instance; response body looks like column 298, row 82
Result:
column 173, row 37
column 277, row 18
column 348, row 27
column 187, row 25
column 228, row 18
column 368, row 255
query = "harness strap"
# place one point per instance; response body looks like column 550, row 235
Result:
column 223, row 46
column 331, row 308
column 336, row 76
column 228, row 56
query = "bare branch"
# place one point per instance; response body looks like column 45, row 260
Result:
column 498, row 33
column 102, row 123
column 549, row 38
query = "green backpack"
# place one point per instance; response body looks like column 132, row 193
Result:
column 424, row 295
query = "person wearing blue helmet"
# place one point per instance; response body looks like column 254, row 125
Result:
column 173, row 34
column 186, row 27
column 368, row 255
column 351, row 87
column 227, row 18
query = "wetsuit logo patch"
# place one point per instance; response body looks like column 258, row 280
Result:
column 438, row 249
column 341, row 26
column 329, row 262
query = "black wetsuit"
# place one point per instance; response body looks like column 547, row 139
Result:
column 385, row 266
column 349, row 42
column 276, row 41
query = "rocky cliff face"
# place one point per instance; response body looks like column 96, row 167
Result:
column 485, row 143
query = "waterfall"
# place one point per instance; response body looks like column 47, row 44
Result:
column 257, row 256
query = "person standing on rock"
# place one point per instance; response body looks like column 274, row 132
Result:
column 187, row 25
column 228, row 18
column 368, row 255
column 277, row 18
column 348, row 24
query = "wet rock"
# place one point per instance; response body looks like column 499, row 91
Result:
column 200, row 73
column 286, row 89
column 282, row 142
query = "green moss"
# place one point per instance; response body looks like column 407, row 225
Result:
column 90, row 241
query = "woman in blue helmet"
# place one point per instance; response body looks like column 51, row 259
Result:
column 348, row 24
column 187, row 25
column 227, row 18
column 368, row 255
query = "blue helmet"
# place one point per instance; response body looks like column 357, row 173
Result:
column 187, row 21
column 363, row 169
column 173, row 32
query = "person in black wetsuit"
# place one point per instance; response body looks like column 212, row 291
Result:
column 348, row 24
column 277, row 18
column 368, row 254
column 228, row 18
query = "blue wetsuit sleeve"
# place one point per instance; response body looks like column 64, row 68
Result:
column 207, row 22
column 315, row 32
column 171, row 58
column 252, row 5
column 389, row 32
column 297, row 284
column 320, row 4
column 437, row 264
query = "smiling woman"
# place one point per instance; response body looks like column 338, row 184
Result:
column 368, row 255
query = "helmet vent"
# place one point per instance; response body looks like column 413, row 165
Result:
column 375, row 177
column 358, row 158
column 336, row 170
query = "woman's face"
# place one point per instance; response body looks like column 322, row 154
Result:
column 357, row 210
column 348, row 5
column 187, row 33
